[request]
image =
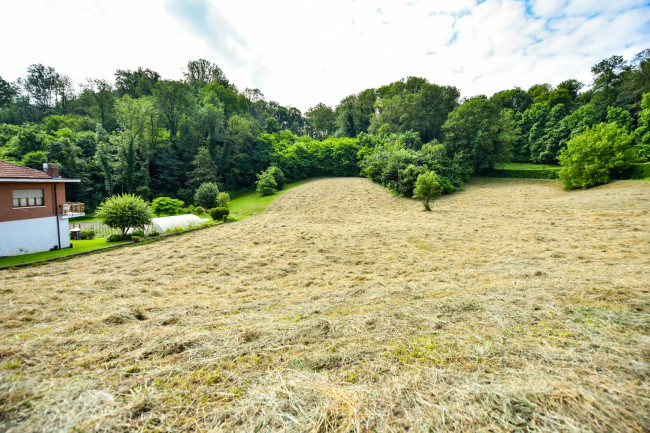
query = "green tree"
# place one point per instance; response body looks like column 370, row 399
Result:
column 204, row 171
column 173, row 100
column 206, row 195
column 266, row 184
column 481, row 132
column 642, row 132
column 321, row 120
column 124, row 212
column 7, row 93
column 278, row 175
column 427, row 188
column 593, row 156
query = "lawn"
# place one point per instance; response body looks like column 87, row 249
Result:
column 252, row 203
column 78, row 247
column 524, row 166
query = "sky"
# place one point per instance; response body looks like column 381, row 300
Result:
column 302, row 52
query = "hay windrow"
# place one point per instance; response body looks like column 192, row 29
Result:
column 513, row 306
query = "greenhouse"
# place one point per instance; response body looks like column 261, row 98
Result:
column 163, row 224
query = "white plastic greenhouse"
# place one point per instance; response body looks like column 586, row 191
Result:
column 162, row 224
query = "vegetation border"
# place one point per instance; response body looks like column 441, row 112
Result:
column 98, row 250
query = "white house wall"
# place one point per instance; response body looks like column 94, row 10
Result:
column 33, row 235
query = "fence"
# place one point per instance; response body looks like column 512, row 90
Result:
column 101, row 230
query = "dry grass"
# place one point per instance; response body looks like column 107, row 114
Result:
column 513, row 306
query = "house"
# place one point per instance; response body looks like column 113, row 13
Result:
column 33, row 211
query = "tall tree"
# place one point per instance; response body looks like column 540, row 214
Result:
column 173, row 100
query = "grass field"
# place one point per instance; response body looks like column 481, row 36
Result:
column 512, row 306
column 77, row 247
column 252, row 203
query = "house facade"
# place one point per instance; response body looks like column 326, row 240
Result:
column 33, row 210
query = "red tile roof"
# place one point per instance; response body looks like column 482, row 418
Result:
column 15, row 171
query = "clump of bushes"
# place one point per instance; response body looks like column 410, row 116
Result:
column 595, row 156
column 266, row 183
column 87, row 234
column 118, row 238
column 124, row 211
column 219, row 213
column 167, row 206
column 206, row 195
column 278, row 175
column 427, row 188
column 223, row 199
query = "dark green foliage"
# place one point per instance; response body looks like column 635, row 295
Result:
column 124, row 211
column 206, row 195
column 137, row 233
column 167, row 206
column 118, row 238
column 219, row 213
column 595, row 156
column 266, row 184
column 635, row 171
column 523, row 174
column 87, row 234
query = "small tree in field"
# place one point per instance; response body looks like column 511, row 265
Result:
column 591, row 157
column 124, row 211
column 278, row 175
column 206, row 195
column 223, row 199
column 266, row 184
column 427, row 188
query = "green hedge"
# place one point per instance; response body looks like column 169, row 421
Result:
column 636, row 171
column 548, row 173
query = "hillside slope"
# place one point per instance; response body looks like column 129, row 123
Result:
column 512, row 306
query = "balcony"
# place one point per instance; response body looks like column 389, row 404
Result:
column 71, row 210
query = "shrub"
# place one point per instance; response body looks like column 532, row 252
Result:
column 136, row 238
column 167, row 206
column 223, row 199
column 219, row 213
column 118, row 238
column 124, row 211
column 594, row 156
column 88, row 234
column 278, row 175
column 547, row 173
column 266, row 184
column 139, row 233
column 206, row 195
column 427, row 188
column 154, row 234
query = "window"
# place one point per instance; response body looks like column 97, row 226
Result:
column 28, row 197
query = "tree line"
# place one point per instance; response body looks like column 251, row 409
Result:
column 154, row 137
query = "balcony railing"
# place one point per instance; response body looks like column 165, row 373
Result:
column 73, row 209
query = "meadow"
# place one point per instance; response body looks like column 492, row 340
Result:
column 512, row 306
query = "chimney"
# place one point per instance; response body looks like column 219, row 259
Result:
column 51, row 169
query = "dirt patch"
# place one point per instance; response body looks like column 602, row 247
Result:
column 512, row 306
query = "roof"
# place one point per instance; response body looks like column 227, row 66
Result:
column 15, row 171
column 10, row 172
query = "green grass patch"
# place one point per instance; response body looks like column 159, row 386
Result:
column 77, row 247
column 524, row 166
column 252, row 203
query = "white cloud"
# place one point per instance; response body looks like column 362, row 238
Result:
column 303, row 52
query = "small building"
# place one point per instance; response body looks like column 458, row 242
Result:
column 33, row 211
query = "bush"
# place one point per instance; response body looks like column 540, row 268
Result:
column 136, row 238
column 167, row 206
column 206, row 195
column 266, row 184
column 427, row 188
column 223, row 199
column 278, row 175
column 594, row 156
column 124, row 211
column 219, row 213
column 88, row 234
column 547, row 173
column 139, row 233
column 118, row 238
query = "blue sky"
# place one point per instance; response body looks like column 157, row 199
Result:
column 301, row 52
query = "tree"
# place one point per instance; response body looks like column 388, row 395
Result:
column 278, row 175
column 7, row 93
column 321, row 120
column 136, row 84
column 124, row 212
column 593, row 156
column 173, row 100
column 481, row 132
column 205, row 170
column 427, row 188
column 201, row 72
column 206, row 195
column 266, row 184
column 642, row 132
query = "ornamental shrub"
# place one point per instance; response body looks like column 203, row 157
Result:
column 278, row 175
column 223, row 199
column 266, row 184
column 206, row 195
column 219, row 213
column 124, row 211
column 167, row 206
column 87, row 234
column 595, row 156
column 427, row 188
